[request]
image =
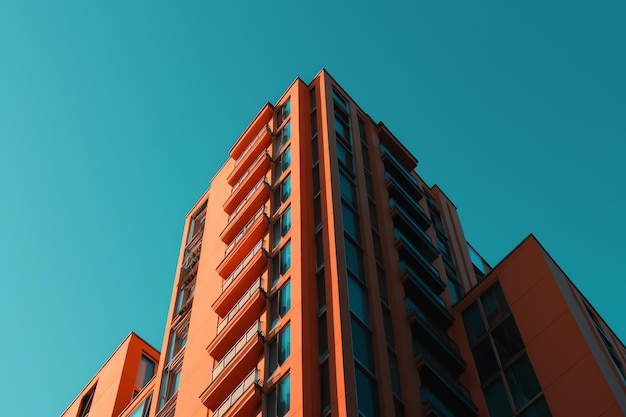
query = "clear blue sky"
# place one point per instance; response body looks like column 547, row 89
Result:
column 115, row 115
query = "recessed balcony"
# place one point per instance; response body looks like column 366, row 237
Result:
column 417, row 290
column 256, row 198
column 427, row 336
column 401, row 175
column 442, row 384
column 238, row 319
column 261, row 120
column 253, row 232
column 398, row 196
column 412, row 256
column 259, row 144
column 403, row 221
column 253, row 174
column 234, row 366
column 243, row 401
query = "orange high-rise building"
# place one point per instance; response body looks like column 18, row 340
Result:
column 320, row 276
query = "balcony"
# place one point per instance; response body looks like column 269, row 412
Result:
column 264, row 117
column 421, row 239
column 422, row 295
column 247, row 309
column 437, row 380
column 401, row 175
column 234, row 366
column 400, row 197
column 244, row 400
column 427, row 336
column 255, row 230
column 435, row 406
column 412, row 256
column 256, row 198
column 253, row 174
column 259, row 144
column 233, row 287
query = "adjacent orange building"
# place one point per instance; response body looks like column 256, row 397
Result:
column 320, row 276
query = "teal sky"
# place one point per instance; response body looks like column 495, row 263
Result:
column 115, row 115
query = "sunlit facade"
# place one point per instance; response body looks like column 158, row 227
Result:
column 319, row 276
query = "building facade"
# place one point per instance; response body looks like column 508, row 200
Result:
column 319, row 275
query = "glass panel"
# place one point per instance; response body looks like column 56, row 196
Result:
column 285, row 258
column 494, row 303
column 285, row 222
column 539, row 408
column 507, row 339
column 395, row 375
column 367, row 395
column 317, row 212
column 357, row 297
column 362, row 345
column 522, row 382
column 145, row 371
column 474, row 325
column 348, row 190
column 351, row 222
column 319, row 249
column 272, row 360
column 354, row 260
column 325, row 386
column 486, row 363
column 382, row 285
column 316, row 180
column 285, row 299
column 373, row 218
column 388, row 326
column 271, row 403
column 340, row 100
column 283, row 397
column 284, row 344
column 344, row 156
column 321, row 290
column 322, row 329
column 497, row 401
column 285, row 189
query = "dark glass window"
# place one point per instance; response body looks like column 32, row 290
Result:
column 378, row 249
column 281, row 263
column 497, row 401
column 325, row 387
column 388, row 326
column 494, row 303
column 382, row 285
column 362, row 345
column 373, row 217
column 281, row 226
column 345, row 156
column 143, row 409
column 367, row 394
column 395, row 375
column 341, row 101
column 322, row 328
column 280, row 304
column 315, row 150
column 522, row 382
column 473, row 321
column 316, row 180
column 282, row 193
column 366, row 158
column 278, row 399
column 279, row 349
column 282, row 163
column 348, row 189
column 317, row 212
column 362, row 130
column 321, row 290
column 507, row 339
column 145, row 371
column 282, row 137
column 359, row 302
column 85, row 403
column 319, row 249
column 486, row 363
column 354, row 260
column 351, row 222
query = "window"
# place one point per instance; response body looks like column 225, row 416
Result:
column 196, row 226
column 280, row 304
column 145, row 371
column 185, row 294
column 325, row 387
column 367, row 394
column 169, row 384
column 282, row 138
column 281, row 226
column 362, row 345
column 351, row 222
column 85, row 403
column 394, row 370
column 345, row 156
column 283, row 112
column 341, row 101
column 178, row 340
column 509, row 382
column 278, row 399
column 348, row 189
column 282, row 163
column 322, row 329
column 321, row 290
column 143, row 409
column 359, row 302
column 282, row 192
column 388, row 326
column 319, row 249
column 281, row 262
column 354, row 259
column 279, row 349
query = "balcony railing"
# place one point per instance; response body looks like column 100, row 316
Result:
column 251, row 145
column 258, row 247
column 245, row 174
column 415, row 276
column 251, row 380
column 258, row 284
column 254, row 331
column 243, row 231
column 413, row 252
column 232, row 215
